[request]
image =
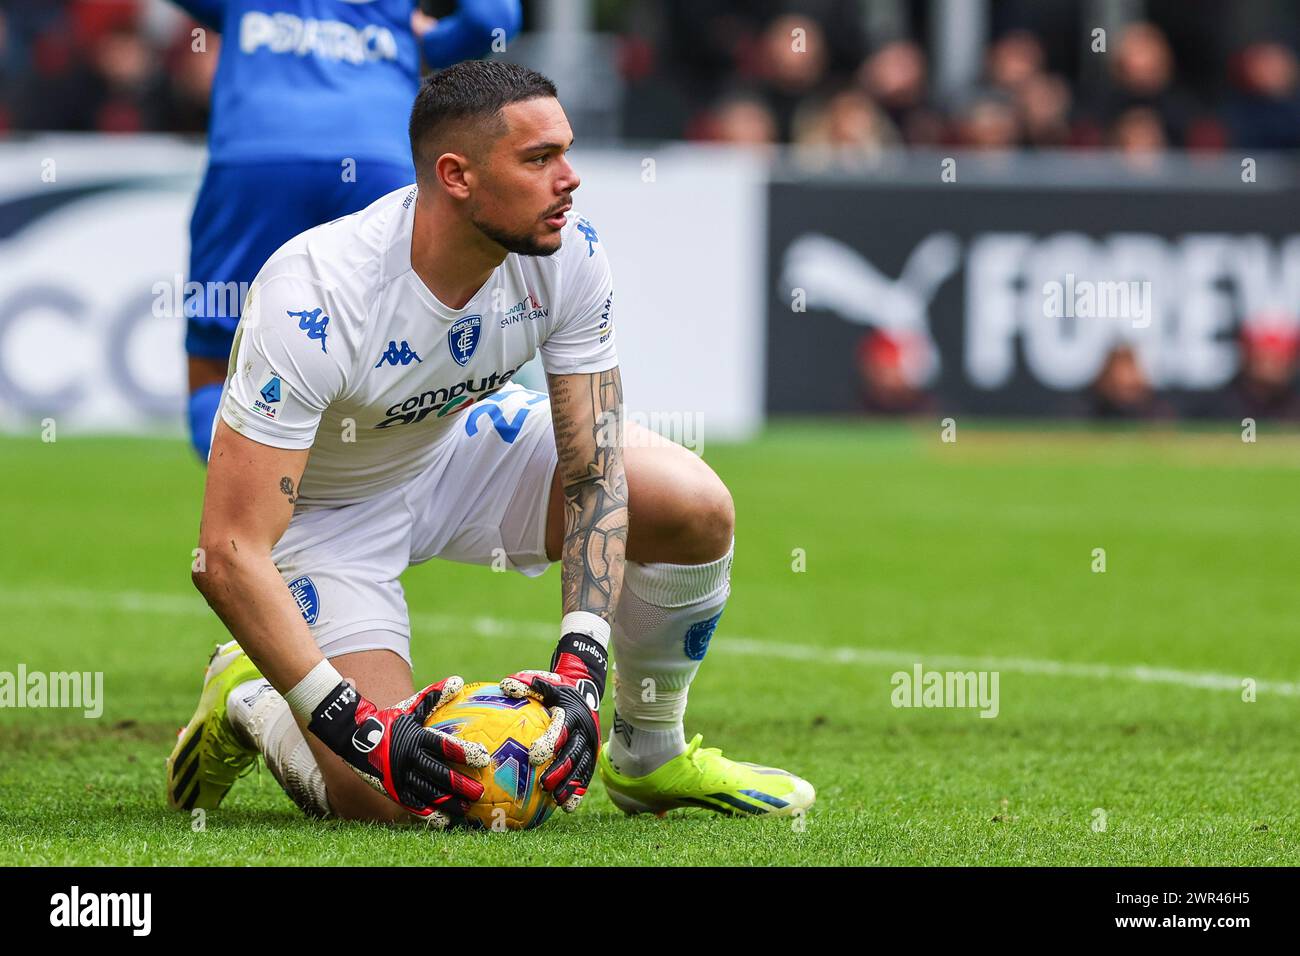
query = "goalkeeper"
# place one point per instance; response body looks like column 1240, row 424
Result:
column 341, row 459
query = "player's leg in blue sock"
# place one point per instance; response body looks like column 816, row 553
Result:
column 244, row 212
column 203, row 412
column 226, row 250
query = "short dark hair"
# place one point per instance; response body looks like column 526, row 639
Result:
column 475, row 90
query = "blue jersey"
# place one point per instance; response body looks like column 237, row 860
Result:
column 330, row 79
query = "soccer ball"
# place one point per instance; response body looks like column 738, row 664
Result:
column 513, row 798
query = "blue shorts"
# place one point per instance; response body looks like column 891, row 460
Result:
column 246, row 211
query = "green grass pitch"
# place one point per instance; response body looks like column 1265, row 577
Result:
column 1122, row 735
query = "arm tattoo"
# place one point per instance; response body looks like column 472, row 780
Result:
column 587, row 412
column 286, row 488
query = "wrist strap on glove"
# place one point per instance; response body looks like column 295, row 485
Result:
column 305, row 697
column 581, row 659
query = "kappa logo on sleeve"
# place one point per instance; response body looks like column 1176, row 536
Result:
column 589, row 233
column 313, row 323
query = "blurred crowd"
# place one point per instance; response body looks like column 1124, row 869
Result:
column 760, row 72
column 813, row 73
column 1264, row 388
column 834, row 78
column 114, row 66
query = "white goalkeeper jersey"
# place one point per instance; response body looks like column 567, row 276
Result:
column 344, row 350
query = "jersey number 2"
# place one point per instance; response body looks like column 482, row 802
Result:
column 507, row 429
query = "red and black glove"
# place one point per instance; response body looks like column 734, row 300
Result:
column 571, row 691
column 393, row 751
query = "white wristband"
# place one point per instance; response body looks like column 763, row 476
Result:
column 312, row 690
column 584, row 622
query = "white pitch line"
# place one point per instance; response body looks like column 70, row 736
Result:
column 1139, row 673
column 139, row 602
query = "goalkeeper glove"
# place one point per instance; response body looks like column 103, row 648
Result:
column 571, row 691
column 392, row 750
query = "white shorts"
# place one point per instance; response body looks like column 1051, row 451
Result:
column 484, row 497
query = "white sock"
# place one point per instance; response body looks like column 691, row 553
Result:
column 661, row 629
column 262, row 717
